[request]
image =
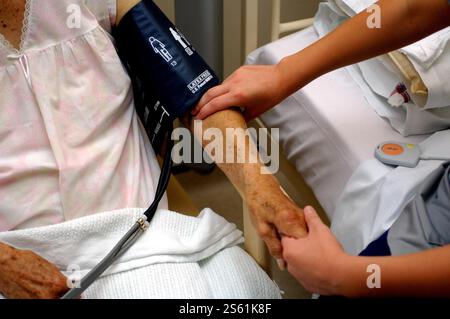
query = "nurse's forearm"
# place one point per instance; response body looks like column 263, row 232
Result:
column 402, row 22
column 425, row 274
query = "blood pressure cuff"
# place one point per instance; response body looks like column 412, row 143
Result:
column 169, row 77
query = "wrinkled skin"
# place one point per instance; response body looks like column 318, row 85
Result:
column 25, row 275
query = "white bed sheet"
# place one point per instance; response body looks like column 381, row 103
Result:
column 327, row 129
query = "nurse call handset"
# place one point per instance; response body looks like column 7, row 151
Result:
column 399, row 154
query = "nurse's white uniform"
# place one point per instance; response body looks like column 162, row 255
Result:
column 71, row 143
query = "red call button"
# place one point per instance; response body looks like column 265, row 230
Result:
column 393, row 149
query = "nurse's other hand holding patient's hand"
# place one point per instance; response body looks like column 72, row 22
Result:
column 318, row 260
column 254, row 88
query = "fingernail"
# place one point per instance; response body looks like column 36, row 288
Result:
column 281, row 264
column 308, row 209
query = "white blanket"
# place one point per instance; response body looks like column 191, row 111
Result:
column 178, row 256
column 376, row 195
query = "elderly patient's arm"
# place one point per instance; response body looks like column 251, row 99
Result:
column 25, row 275
column 271, row 211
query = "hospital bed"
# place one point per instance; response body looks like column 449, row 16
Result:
column 327, row 129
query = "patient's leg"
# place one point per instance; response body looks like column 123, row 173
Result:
column 271, row 211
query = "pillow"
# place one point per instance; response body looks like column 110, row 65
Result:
column 431, row 59
column 412, row 79
column 410, row 73
column 412, row 97
column 425, row 65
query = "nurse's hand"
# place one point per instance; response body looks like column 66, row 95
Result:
column 25, row 275
column 254, row 88
column 317, row 261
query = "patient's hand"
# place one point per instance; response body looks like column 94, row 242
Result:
column 25, row 275
column 274, row 215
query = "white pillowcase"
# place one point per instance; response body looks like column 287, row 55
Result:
column 430, row 57
column 433, row 67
